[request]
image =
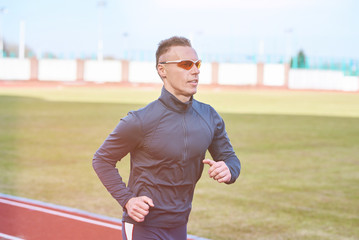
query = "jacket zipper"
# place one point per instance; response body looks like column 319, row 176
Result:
column 185, row 145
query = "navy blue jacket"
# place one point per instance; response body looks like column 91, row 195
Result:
column 167, row 141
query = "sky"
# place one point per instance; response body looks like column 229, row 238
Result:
column 72, row 28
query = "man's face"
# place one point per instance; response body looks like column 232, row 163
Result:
column 180, row 82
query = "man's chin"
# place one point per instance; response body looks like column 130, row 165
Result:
column 193, row 91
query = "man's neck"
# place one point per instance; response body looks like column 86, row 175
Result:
column 181, row 98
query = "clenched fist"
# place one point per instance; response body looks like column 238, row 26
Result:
column 218, row 170
column 139, row 207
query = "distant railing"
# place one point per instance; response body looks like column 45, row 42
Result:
column 349, row 67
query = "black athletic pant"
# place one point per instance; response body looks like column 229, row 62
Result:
column 137, row 232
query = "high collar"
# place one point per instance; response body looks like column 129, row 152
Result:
column 171, row 102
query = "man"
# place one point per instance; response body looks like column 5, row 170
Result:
column 167, row 141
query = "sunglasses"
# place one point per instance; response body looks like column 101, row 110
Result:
column 185, row 64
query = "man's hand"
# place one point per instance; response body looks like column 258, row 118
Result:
column 139, row 207
column 218, row 170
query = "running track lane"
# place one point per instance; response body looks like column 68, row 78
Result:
column 22, row 218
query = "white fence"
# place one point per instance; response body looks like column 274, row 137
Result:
column 237, row 74
column 269, row 75
column 274, row 75
column 143, row 72
column 57, row 70
column 102, row 71
column 14, row 69
column 322, row 80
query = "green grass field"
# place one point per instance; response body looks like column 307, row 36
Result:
column 299, row 153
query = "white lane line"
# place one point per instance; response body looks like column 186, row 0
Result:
column 9, row 237
column 61, row 214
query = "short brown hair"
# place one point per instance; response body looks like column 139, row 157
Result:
column 166, row 44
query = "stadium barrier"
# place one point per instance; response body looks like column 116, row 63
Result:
column 322, row 80
column 57, row 70
column 277, row 75
column 15, row 69
column 103, row 71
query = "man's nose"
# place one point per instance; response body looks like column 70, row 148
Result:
column 195, row 69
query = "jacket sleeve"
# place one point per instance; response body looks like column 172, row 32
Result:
column 221, row 149
column 124, row 138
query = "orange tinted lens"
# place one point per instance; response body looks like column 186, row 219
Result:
column 185, row 65
column 198, row 64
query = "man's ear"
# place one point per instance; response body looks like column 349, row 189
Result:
column 161, row 71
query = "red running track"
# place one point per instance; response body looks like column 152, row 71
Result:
column 22, row 218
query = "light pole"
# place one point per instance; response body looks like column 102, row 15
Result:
column 125, row 45
column 100, row 5
column 288, row 42
column 3, row 10
column 22, row 40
